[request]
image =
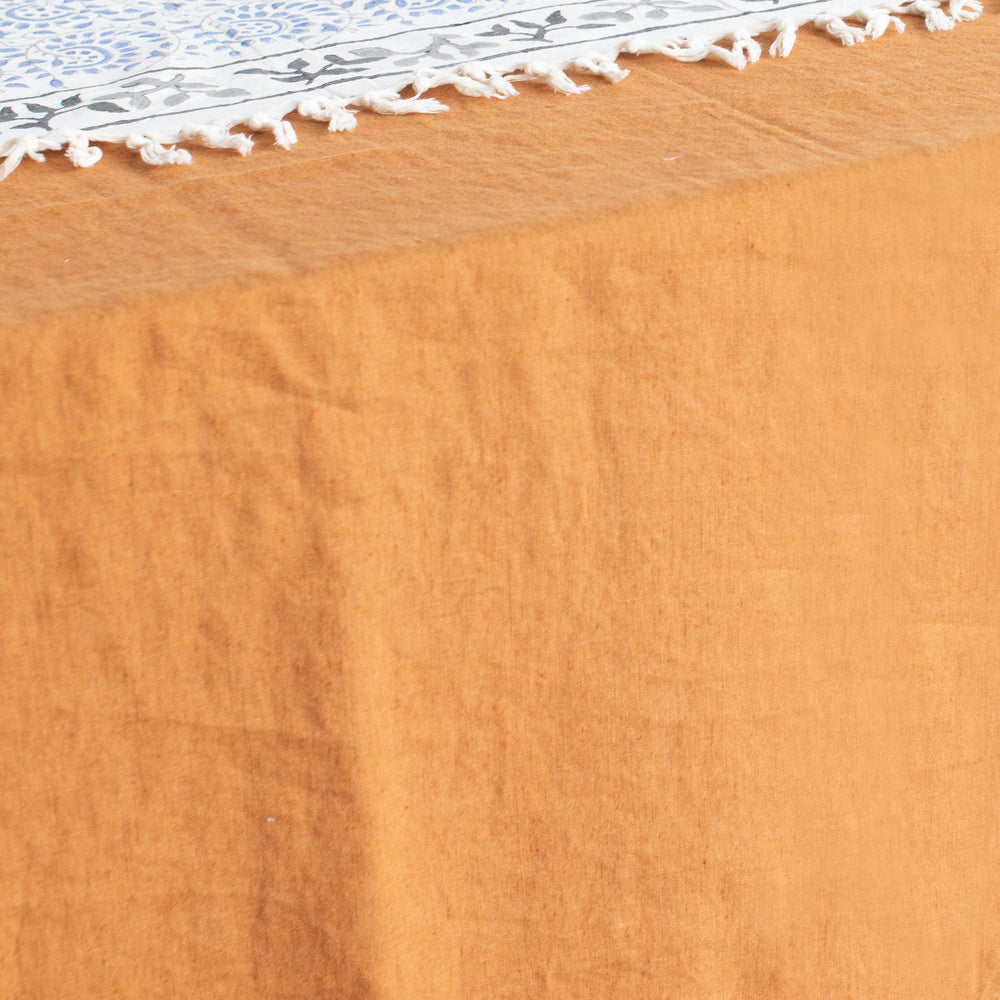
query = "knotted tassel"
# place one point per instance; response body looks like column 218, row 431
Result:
column 79, row 151
column 602, row 66
column 156, row 154
column 284, row 134
column 785, row 41
column 388, row 102
column 216, row 137
column 934, row 17
column 331, row 110
column 878, row 20
column 15, row 150
column 745, row 46
column 542, row 72
column 477, row 71
column 847, row 34
column 428, row 79
column 965, row 10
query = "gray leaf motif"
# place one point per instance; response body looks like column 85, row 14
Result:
column 443, row 47
column 372, row 53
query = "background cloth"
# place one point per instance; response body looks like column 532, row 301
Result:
column 539, row 554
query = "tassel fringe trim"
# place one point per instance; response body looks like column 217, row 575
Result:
column 737, row 49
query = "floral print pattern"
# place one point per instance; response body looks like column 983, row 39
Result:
column 155, row 67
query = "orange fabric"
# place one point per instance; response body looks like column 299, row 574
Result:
column 548, row 550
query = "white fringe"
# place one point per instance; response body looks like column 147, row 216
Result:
column 696, row 49
column 155, row 153
column 542, row 72
column 877, row 21
column 284, row 134
column 388, row 102
column 934, row 17
column 485, row 74
column 738, row 49
column 80, row 152
column 784, row 42
column 849, row 34
column 965, row 10
column 603, row 66
column 216, row 137
column 15, row 150
column 471, row 85
column 333, row 110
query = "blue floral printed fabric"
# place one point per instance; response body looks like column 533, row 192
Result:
column 153, row 68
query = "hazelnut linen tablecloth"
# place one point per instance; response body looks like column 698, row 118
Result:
column 549, row 550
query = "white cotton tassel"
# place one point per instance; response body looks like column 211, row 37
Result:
column 388, row 102
column 746, row 45
column 847, row 34
column 552, row 75
column 156, row 154
column 785, row 41
column 688, row 50
column 602, row 66
column 428, row 79
column 79, row 151
column 935, row 18
column 878, row 21
column 696, row 49
column 965, row 10
column 737, row 56
column 14, row 151
column 333, row 111
column 483, row 74
column 284, row 134
column 216, row 137
column 637, row 47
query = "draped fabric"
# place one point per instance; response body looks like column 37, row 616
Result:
column 540, row 554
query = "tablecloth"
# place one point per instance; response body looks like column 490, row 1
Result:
column 547, row 550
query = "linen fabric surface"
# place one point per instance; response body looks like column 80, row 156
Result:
column 540, row 554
